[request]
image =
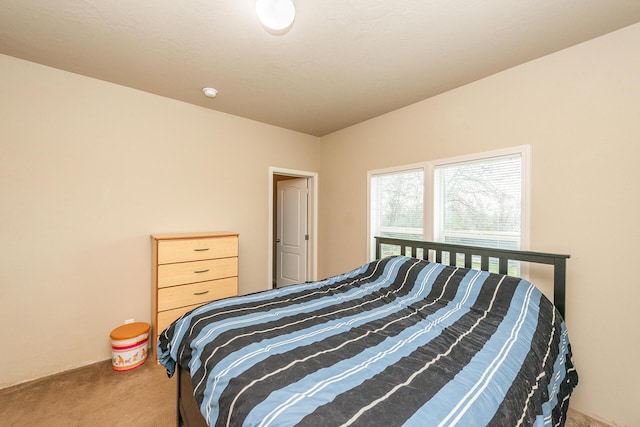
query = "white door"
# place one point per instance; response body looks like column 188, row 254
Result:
column 291, row 232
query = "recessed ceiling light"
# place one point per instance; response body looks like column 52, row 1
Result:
column 210, row 92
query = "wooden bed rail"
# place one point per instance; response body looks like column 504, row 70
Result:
column 558, row 261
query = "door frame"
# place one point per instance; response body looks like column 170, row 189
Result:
column 312, row 212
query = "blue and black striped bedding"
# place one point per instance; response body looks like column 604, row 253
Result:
column 398, row 341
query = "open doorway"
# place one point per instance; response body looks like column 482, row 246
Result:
column 293, row 226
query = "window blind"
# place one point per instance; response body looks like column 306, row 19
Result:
column 479, row 202
column 397, row 204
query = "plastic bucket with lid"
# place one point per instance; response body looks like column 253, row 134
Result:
column 129, row 346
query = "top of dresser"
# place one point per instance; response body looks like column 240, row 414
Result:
column 176, row 236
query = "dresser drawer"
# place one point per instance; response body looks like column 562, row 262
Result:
column 196, row 293
column 181, row 250
column 166, row 317
column 196, row 271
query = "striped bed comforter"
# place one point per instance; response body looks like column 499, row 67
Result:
column 398, row 341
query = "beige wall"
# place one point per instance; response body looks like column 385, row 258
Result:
column 579, row 110
column 88, row 170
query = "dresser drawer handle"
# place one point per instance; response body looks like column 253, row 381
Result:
column 201, row 293
column 201, row 271
column 201, row 249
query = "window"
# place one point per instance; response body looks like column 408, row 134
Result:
column 473, row 200
column 479, row 202
column 397, row 204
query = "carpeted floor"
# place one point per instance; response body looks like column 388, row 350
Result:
column 94, row 395
column 97, row 396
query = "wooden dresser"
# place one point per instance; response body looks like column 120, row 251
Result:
column 188, row 270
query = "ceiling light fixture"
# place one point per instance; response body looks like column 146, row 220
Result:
column 276, row 15
column 210, row 92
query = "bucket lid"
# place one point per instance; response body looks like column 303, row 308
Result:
column 129, row 330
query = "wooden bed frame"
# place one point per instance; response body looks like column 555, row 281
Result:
column 188, row 413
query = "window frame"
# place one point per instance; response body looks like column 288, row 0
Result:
column 428, row 168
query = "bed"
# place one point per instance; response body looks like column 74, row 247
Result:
column 404, row 340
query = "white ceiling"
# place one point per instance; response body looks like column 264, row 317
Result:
column 342, row 62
